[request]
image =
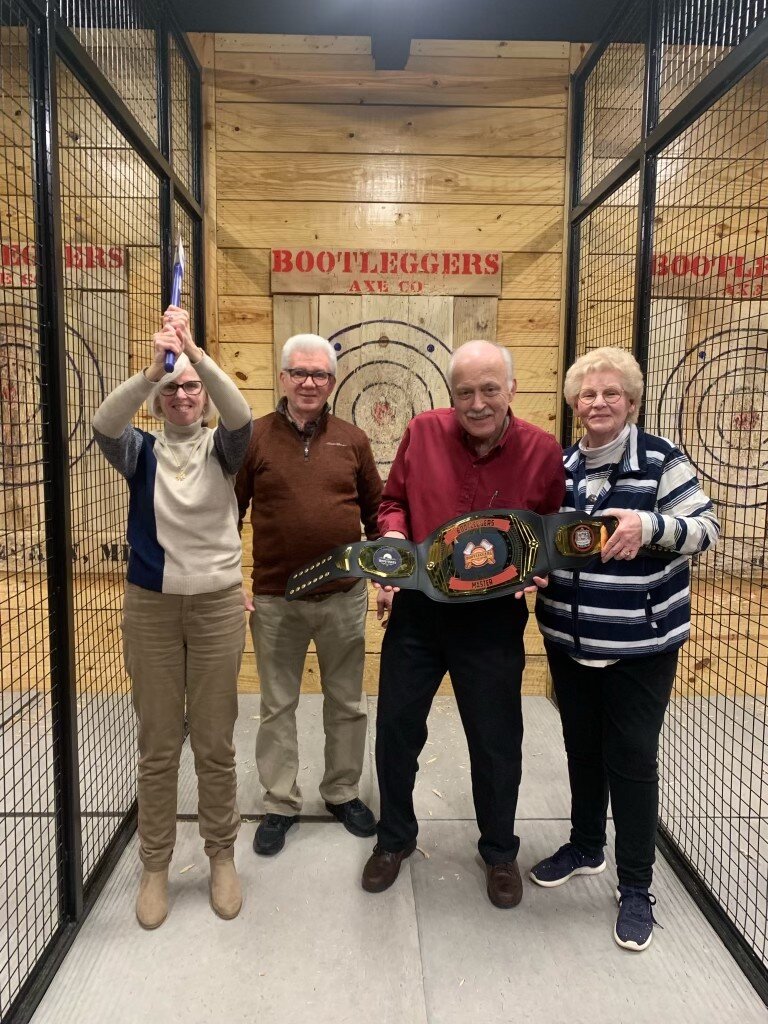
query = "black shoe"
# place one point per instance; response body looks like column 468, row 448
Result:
column 355, row 817
column 270, row 835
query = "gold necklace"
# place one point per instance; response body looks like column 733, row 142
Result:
column 182, row 474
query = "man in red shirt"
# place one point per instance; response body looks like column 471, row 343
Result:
column 474, row 456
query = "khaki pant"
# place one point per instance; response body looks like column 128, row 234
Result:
column 282, row 631
column 176, row 647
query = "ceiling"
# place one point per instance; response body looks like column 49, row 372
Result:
column 391, row 24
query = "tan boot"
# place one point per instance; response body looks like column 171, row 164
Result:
column 226, row 892
column 152, row 901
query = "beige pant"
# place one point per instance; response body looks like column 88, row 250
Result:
column 282, row 631
column 176, row 647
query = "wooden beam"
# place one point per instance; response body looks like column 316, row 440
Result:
column 251, row 225
column 547, row 88
column 347, row 128
column 255, row 42
column 393, row 179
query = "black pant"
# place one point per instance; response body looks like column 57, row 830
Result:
column 481, row 646
column 612, row 718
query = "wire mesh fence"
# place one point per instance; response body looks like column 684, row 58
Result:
column 182, row 137
column 121, row 38
column 708, row 360
column 613, row 99
column 82, row 207
column 28, row 840
column 704, row 342
column 695, row 37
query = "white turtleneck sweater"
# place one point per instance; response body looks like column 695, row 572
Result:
column 182, row 519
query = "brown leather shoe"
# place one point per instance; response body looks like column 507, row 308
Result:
column 383, row 867
column 505, row 886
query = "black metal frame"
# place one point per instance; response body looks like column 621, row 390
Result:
column 51, row 41
column 656, row 134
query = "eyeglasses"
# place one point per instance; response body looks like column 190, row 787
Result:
column 610, row 395
column 189, row 387
column 320, row 377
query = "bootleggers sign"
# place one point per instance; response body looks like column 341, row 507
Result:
column 385, row 272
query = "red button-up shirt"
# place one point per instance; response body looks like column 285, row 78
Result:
column 437, row 475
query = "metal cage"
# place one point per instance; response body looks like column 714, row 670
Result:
column 100, row 166
column 668, row 257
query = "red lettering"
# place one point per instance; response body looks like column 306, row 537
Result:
column 660, row 265
column 492, row 263
column 409, row 263
column 700, row 265
column 326, row 261
column 305, row 261
column 451, row 263
column 430, row 263
column 724, row 263
column 115, row 257
column 73, row 256
column 680, row 265
column 470, row 263
column 282, row 261
column 389, row 263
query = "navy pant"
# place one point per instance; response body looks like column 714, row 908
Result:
column 481, row 646
column 611, row 719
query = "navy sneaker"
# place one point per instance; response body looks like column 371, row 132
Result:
column 634, row 925
column 567, row 862
column 270, row 835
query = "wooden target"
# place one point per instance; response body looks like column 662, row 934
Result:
column 96, row 360
column 711, row 401
column 393, row 357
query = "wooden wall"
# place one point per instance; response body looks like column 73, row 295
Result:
column 306, row 144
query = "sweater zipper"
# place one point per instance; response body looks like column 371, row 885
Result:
column 307, row 443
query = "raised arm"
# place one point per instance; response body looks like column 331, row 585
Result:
column 234, row 431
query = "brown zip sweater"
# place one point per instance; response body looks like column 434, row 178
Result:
column 309, row 491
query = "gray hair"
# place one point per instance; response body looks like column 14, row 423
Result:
column 604, row 360
column 153, row 406
column 506, row 354
column 308, row 343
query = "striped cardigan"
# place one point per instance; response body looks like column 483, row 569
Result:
column 641, row 607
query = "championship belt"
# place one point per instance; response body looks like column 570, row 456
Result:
column 471, row 558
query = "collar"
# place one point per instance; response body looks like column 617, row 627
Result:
column 313, row 425
column 634, row 459
column 178, row 435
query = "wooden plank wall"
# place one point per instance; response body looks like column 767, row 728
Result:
column 306, row 143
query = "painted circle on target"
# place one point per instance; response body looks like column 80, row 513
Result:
column 21, row 464
column 383, row 384
column 715, row 399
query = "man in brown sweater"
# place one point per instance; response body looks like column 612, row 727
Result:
column 310, row 480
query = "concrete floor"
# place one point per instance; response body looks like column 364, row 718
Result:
column 311, row 945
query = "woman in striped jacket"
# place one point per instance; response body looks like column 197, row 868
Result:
column 612, row 632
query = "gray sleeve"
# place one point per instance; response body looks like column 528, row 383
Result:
column 232, row 445
column 234, row 411
column 121, row 452
column 119, row 407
